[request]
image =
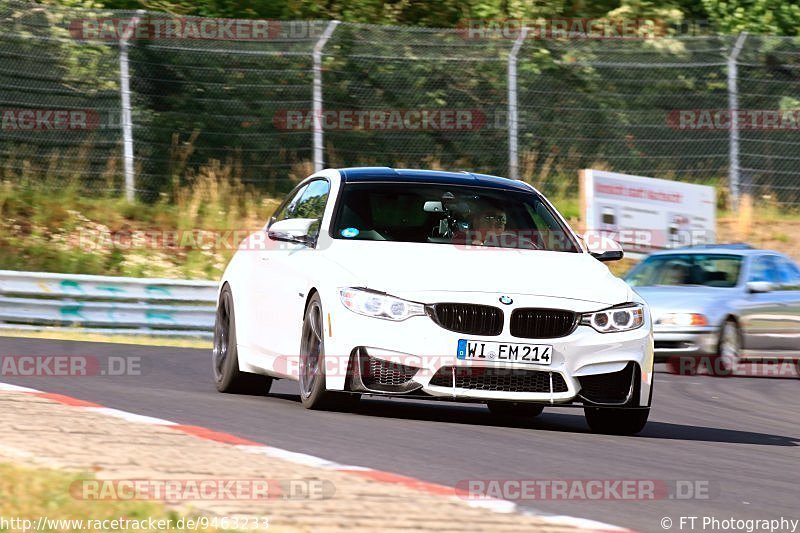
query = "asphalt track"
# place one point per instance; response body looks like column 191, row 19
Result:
column 738, row 436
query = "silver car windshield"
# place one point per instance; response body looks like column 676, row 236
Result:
column 711, row 270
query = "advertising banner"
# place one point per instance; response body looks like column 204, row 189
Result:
column 647, row 214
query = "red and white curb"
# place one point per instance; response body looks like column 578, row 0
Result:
column 492, row 504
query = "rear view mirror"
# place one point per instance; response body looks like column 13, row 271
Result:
column 759, row 286
column 433, row 207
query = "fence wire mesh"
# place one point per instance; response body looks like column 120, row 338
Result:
column 240, row 104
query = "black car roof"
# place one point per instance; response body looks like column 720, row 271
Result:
column 367, row 174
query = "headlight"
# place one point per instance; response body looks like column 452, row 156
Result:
column 379, row 305
column 683, row 319
column 620, row 318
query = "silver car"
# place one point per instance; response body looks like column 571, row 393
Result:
column 730, row 301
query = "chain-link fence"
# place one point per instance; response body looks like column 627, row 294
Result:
column 243, row 99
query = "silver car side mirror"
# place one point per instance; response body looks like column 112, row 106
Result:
column 759, row 286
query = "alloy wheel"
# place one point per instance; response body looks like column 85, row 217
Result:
column 729, row 346
column 222, row 326
column 311, row 349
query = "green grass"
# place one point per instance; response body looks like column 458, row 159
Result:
column 58, row 229
column 61, row 230
column 31, row 493
column 568, row 206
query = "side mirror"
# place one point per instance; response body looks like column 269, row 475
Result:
column 297, row 230
column 754, row 287
column 604, row 249
column 608, row 255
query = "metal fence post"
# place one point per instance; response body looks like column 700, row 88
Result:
column 125, row 97
column 733, row 106
column 513, row 119
column 319, row 160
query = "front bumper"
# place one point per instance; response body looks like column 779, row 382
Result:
column 684, row 342
column 426, row 352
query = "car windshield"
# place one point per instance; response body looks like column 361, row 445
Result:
column 449, row 214
column 711, row 270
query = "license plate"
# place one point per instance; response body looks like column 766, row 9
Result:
column 509, row 352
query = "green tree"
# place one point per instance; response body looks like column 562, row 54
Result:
column 756, row 16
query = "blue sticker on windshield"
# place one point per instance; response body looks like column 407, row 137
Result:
column 350, row 232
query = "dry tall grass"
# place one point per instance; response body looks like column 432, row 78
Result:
column 41, row 222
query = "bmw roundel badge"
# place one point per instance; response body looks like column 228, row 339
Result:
column 506, row 300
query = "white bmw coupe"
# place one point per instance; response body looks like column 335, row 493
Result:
column 433, row 285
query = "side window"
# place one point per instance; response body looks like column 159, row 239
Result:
column 789, row 274
column 288, row 208
column 312, row 202
column 765, row 269
column 548, row 230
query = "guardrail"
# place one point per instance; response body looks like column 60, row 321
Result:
column 149, row 306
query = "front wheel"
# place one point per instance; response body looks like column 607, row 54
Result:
column 313, row 394
column 730, row 346
column 225, row 358
column 616, row 421
column 520, row 409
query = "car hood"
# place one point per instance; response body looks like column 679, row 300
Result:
column 414, row 267
column 685, row 299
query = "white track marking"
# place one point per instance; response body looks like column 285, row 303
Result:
column 494, row 505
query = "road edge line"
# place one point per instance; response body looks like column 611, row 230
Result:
column 491, row 504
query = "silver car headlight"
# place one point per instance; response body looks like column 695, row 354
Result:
column 379, row 305
column 682, row 319
column 619, row 318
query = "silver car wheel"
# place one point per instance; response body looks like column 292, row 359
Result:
column 729, row 346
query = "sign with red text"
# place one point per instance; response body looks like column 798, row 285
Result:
column 647, row 214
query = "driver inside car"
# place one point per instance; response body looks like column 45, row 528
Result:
column 489, row 228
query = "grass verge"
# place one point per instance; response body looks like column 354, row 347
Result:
column 31, row 493
column 83, row 336
column 60, row 230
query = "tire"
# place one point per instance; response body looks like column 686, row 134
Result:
column 616, row 421
column 519, row 409
column 728, row 348
column 313, row 394
column 224, row 357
